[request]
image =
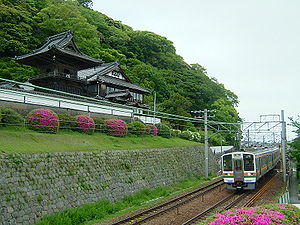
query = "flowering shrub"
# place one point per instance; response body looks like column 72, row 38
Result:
column 43, row 120
column 116, row 127
column 175, row 133
column 85, row 123
column 197, row 137
column 263, row 215
column 153, row 130
column 189, row 135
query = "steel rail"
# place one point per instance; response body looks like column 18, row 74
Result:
column 155, row 209
column 260, row 192
column 203, row 213
column 249, row 203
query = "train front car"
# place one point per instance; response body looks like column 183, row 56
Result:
column 239, row 170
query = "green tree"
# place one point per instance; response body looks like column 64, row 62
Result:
column 225, row 112
column 15, row 30
column 295, row 144
column 149, row 59
column 86, row 3
column 67, row 16
column 10, row 69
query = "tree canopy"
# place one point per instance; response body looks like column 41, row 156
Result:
column 295, row 144
column 147, row 58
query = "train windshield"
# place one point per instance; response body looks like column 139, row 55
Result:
column 227, row 162
column 248, row 162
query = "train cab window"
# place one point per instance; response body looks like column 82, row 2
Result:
column 238, row 165
column 227, row 162
column 248, row 162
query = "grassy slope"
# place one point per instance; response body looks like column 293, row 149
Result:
column 26, row 141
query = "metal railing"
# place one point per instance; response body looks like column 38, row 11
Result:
column 61, row 75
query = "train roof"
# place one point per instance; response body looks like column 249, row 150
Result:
column 256, row 152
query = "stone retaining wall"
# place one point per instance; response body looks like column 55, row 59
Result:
column 33, row 185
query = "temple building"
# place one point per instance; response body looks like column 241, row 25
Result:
column 63, row 67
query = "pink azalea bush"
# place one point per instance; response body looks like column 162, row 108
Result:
column 44, row 120
column 85, row 123
column 263, row 215
column 116, row 127
column 153, row 130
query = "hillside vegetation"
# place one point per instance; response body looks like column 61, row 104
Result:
column 26, row 141
column 149, row 59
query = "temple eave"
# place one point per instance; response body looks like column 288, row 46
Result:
column 53, row 56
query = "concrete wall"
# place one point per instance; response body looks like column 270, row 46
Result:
column 33, row 185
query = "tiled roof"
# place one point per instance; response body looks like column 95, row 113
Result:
column 92, row 73
column 122, row 83
column 60, row 42
column 100, row 74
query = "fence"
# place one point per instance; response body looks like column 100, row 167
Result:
column 27, row 97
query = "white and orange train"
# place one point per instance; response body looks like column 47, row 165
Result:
column 242, row 170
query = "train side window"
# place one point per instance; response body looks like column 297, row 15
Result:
column 248, row 162
column 227, row 162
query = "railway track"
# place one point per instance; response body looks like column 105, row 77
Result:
column 218, row 207
column 155, row 211
column 260, row 192
column 226, row 203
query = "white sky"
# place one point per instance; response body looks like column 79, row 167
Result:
column 251, row 46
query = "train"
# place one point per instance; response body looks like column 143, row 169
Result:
column 241, row 170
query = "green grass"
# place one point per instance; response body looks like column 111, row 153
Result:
column 92, row 213
column 14, row 140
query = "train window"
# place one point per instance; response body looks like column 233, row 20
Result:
column 227, row 162
column 238, row 165
column 248, row 162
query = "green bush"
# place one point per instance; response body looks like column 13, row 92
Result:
column 66, row 121
column 137, row 128
column 100, row 126
column 9, row 117
column 164, row 130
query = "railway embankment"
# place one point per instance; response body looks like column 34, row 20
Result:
column 33, row 185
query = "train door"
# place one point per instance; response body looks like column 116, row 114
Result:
column 238, row 167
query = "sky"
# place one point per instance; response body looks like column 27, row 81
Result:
column 250, row 46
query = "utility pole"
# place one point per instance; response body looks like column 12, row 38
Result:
column 248, row 137
column 205, row 111
column 154, row 108
column 283, row 144
column 205, row 143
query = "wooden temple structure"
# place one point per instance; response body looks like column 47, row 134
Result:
column 63, row 67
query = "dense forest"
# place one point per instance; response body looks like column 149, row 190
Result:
column 148, row 59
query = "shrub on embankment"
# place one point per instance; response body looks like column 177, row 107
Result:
column 85, row 124
column 9, row 117
column 262, row 215
column 43, row 120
